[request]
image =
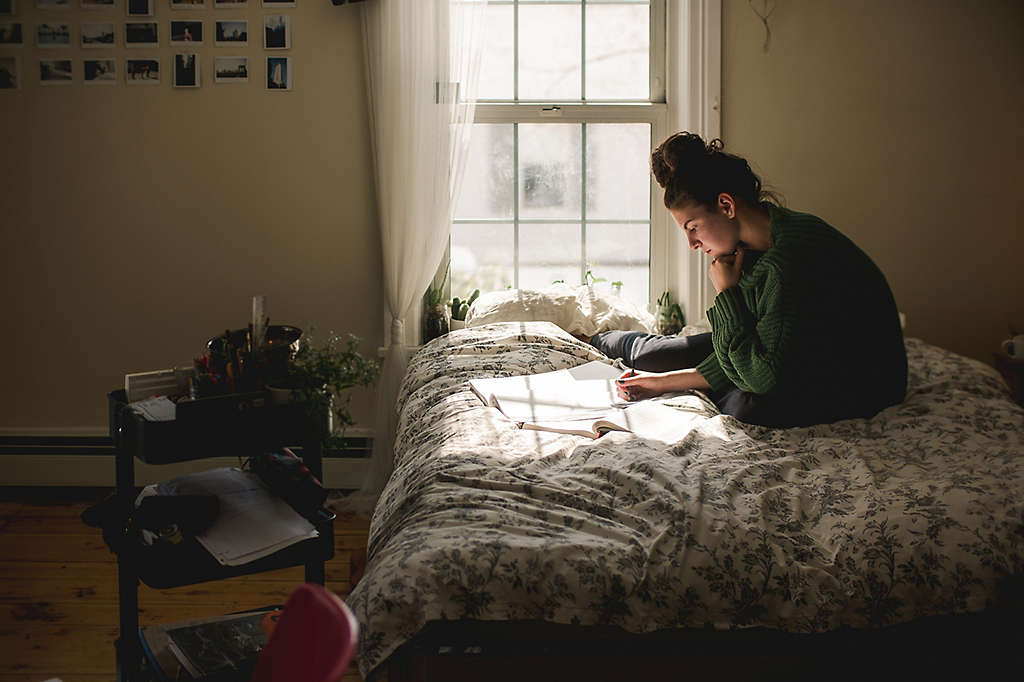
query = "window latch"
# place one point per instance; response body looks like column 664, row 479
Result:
column 551, row 112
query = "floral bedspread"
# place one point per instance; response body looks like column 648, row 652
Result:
column 918, row 511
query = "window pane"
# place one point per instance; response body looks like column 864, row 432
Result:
column 550, row 47
column 622, row 252
column 618, row 171
column 549, row 170
column 482, row 257
column 548, row 253
column 488, row 181
column 497, row 69
column 618, row 51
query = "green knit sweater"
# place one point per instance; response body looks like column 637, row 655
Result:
column 813, row 322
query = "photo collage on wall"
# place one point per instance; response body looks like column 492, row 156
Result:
column 66, row 51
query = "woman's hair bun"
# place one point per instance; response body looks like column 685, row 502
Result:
column 680, row 149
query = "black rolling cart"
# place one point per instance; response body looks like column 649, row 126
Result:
column 239, row 425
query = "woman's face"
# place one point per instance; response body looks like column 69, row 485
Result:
column 712, row 231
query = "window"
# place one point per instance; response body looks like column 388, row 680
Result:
column 557, row 184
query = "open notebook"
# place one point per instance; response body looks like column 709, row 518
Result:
column 581, row 401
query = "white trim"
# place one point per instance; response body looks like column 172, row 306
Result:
column 98, row 470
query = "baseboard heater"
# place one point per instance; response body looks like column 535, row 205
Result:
column 56, row 460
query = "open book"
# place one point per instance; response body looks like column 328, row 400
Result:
column 580, row 401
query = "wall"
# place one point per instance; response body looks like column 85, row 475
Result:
column 139, row 221
column 899, row 123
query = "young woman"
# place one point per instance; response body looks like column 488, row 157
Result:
column 804, row 328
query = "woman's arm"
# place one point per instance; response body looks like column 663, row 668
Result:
column 635, row 385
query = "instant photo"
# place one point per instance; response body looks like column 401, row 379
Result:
column 277, row 32
column 230, row 69
column 188, row 4
column 55, row 72
column 98, row 35
column 53, row 35
column 279, row 73
column 99, row 71
column 10, row 35
column 186, row 71
column 7, row 8
column 10, row 73
column 140, row 8
column 142, row 71
column 53, row 4
column 230, row 4
column 141, row 34
column 97, row 4
column 275, row 3
column 231, row 33
column 186, row 33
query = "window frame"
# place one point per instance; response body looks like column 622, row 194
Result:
column 685, row 87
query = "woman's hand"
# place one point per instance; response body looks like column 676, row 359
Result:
column 635, row 385
column 725, row 270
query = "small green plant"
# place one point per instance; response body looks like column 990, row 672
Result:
column 670, row 318
column 461, row 306
column 321, row 376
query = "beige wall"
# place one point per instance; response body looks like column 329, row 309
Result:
column 137, row 222
column 900, row 122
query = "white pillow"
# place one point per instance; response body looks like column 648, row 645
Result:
column 582, row 311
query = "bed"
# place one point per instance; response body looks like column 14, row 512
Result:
column 496, row 543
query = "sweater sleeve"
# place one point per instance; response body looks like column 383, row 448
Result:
column 749, row 350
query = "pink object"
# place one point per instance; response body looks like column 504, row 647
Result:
column 314, row 640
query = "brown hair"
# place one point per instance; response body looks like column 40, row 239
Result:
column 690, row 170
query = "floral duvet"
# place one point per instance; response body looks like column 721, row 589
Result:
column 916, row 512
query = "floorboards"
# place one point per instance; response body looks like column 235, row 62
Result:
column 58, row 587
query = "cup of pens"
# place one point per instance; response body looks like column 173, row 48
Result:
column 248, row 363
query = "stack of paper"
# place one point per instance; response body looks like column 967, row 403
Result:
column 252, row 522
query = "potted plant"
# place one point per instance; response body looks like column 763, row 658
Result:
column 435, row 312
column 460, row 308
column 669, row 319
column 321, row 376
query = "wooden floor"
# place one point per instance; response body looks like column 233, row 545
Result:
column 58, row 588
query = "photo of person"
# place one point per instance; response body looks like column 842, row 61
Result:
column 140, row 8
column 10, row 73
column 10, row 34
column 53, row 35
column 186, row 33
column 141, row 34
column 233, row 32
column 98, row 35
column 100, row 71
column 7, row 8
column 277, row 32
column 55, row 71
column 142, row 71
column 279, row 73
column 97, row 4
column 230, row 69
column 186, row 71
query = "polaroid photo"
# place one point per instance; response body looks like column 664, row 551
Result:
column 141, row 34
column 230, row 69
column 53, row 4
column 7, row 8
column 98, row 35
column 10, row 73
column 142, row 71
column 10, row 34
column 140, row 8
column 277, row 3
column 224, row 4
column 279, row 73
column 188, row 4
column 55, row 72
column 187, row 32
column 53, row 35
column 186, row 71
column 277, row 32
column 231, row 33
column 100, row 71
column 98, row 4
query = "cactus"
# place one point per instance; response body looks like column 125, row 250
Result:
column 460, row 306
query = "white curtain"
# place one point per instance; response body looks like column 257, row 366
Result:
column 423, row 61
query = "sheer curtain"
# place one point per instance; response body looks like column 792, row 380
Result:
column 422, row 62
